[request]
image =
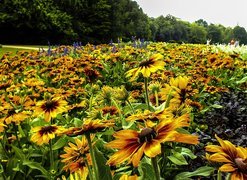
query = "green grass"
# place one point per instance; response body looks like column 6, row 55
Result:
column 13, row 51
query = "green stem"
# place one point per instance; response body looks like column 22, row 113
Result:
column 6, row 153
column 133, row 110
column 219, row 177
column 169, row 97
column 156, row 168
column 16, row 134
column 156, row 98
column 89, row 169
column 146, row 91
column 119, row 112
column 51, row 156
column 90, row 102
column 91, row 150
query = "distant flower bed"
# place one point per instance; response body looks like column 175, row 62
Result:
column 124, row 111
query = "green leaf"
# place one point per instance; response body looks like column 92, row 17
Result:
column 35, row 165
column 38, row 122
column 103, row 170
column 21, row 131
column 202, row 171
column 188, row 152
column 178, row 159
column 77, row 122
column 217, row 106
column 242, row 80
column 19, row 153
column 146, row 171
column 60, row 143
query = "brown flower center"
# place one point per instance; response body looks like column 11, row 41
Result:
column 47, row 130
column 241, row 164
column 146, row 63
column 146, row 135
column 50, row 105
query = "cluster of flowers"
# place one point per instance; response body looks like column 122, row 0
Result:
column 46, row 98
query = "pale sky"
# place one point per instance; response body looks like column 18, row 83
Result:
column 225, row 12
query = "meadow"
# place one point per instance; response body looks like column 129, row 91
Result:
column 124, row 111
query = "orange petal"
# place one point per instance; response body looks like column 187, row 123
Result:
column 238, row 176
column 138, row 155
column 119, row 143
column 227, row 147
column 213, row 148
column 126, row 134
column 122, row 155
column 186, row 138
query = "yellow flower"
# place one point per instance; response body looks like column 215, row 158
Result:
column 51, row 108
column 77, row 158
column 133, row 145
column 75, row 151
column 90, row 126
column 11, row 115
column 153, row 64
column 2, row 125
column 43, row 134
column 127, row 177
column 234, row 158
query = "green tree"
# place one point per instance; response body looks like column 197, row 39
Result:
column 214, row 33
column 31, row 21
column 239, row 33
column 198, row 34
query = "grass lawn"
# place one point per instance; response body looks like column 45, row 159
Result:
column 12, row 50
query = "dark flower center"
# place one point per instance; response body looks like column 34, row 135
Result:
column 50, row 105
column 241, row 164
column 146, row 135
column 11, row 112
column 47, row 130
column 183, row 95
column 146, row 63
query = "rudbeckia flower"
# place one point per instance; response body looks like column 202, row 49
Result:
column 77, row 157
column 75, row 151
column 134, row 144
column 234, row 158
column 43, row 134
column 153, row 64
column 127, row 177
column 90, row 126
column 51, row 108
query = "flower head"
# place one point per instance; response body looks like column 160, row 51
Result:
column 234, row 158
column 77, row 158
column 51, row 108
column 43, row 134
column 153, row 64
column 90, row 126
column 133, row 144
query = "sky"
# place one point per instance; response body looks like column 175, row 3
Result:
column 226, row 12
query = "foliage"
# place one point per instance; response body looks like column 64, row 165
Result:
column 100, row 21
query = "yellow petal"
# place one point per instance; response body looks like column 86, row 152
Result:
column 227, row 168
column 152, row 149
column 186, row 138
column 219, row 157
column 213, row 148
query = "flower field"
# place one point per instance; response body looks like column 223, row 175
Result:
column 124, row 111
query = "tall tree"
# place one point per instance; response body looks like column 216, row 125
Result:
column 214, row 33
column 239, row 33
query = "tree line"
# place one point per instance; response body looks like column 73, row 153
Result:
column 101, row 21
